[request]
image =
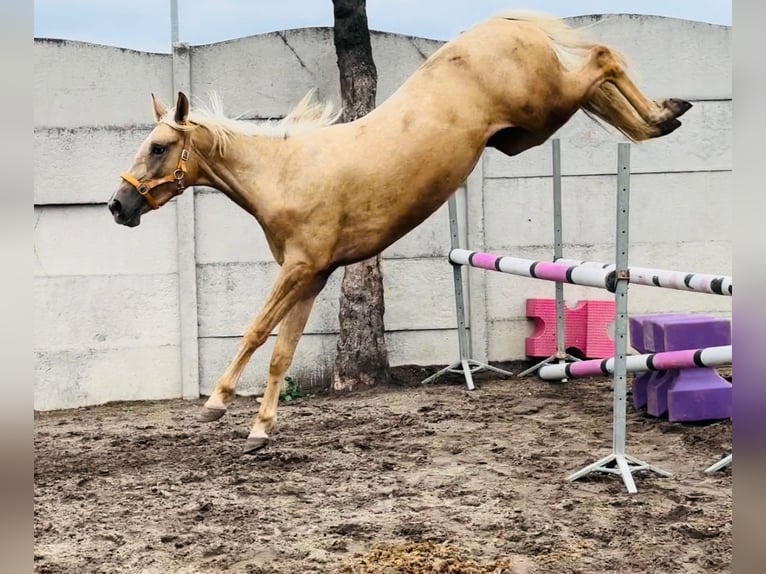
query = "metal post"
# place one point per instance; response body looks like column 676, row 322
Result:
column 185, row 229
column 621, row 298
column 558, row 253
column 625, row 464
column 173, row 21
column 558, row 249
column 465, row 365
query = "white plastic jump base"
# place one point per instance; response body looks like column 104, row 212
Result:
column 723, row 463
column 468, row 367
column 622, row 464
column 562, row 361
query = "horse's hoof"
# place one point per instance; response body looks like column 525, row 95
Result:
column 677, row 106
column 209, row 415
column 666, row 127
column 255, row 443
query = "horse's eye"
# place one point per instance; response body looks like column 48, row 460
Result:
column 158, row 149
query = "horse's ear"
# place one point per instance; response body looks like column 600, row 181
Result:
column 159, row 109
column 182, row 109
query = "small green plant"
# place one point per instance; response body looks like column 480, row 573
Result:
column 290, row 390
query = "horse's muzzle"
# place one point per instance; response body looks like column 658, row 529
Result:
column 116, row 209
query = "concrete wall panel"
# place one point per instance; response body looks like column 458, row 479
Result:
column 85, row 240
column 71, row 378
column 83, row 165
column 664, row 207
column 80, row 84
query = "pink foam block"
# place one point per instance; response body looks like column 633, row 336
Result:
column 585, row 328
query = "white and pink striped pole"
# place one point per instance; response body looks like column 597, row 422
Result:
column 691, row 358
column 681, row 280
column 591, row 273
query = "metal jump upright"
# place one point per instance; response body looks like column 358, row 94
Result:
column 465, row 364
column 618, row 461
column 561, row 354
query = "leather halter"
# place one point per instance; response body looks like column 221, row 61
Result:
column 144, row 187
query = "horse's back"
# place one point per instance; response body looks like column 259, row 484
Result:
column 498, row 41
column 490, row 65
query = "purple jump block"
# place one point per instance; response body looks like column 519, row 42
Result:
column 638, row 389
column 699, row 395
column 713, row 332
column 686, row 332
column 685, row 394
column 637, row 326
column 657, row 392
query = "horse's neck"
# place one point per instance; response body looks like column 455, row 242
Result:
column 238, row 172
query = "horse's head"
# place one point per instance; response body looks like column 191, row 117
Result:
column 162, row 167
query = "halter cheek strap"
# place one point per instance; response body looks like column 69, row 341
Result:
column 145, row 187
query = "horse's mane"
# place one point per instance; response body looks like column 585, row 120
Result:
column 306, row 116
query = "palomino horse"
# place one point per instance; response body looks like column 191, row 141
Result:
column 330, row 195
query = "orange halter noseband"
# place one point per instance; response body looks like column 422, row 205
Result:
column 144, row 187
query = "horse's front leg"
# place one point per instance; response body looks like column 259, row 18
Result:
column 290, row 331
column 293, row 280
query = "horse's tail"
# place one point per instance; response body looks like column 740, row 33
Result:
column 572, row 46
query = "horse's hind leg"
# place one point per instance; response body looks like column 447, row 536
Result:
column 290, row 330
column 292, row 282
column 617, row 100
column 607, row 103
column 662, row 115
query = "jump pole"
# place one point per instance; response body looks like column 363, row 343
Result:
column 692, row 358
column 593, row 274
column 681, row 280
column 465, row 364
column 558, row 252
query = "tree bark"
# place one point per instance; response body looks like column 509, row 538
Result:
column 362, row 356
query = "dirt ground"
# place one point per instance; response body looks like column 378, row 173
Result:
column 403, row 479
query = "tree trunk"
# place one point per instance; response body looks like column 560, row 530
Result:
column 362, row 357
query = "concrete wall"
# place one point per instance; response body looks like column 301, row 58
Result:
column 118, row 314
